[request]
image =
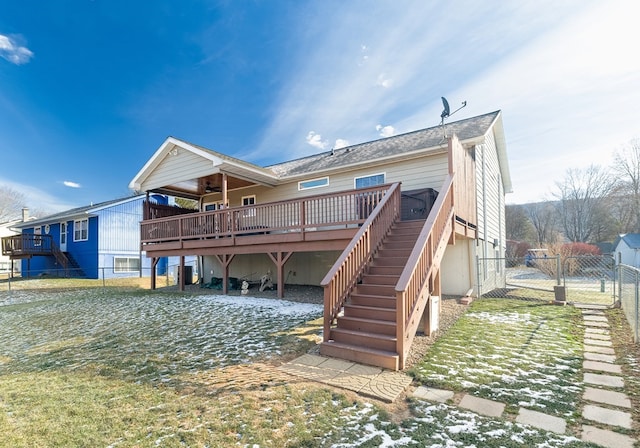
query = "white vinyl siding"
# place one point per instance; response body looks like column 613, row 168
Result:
column 183, row 165
column 415, row 173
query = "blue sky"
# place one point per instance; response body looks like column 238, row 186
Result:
column 90, row 89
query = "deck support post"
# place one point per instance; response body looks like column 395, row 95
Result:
column 154, row 263
column 225, row 261
column 181, row 274
column 279, row 259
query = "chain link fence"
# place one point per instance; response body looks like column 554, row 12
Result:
column 108, row 277
column 629, row 296
column 580, row 279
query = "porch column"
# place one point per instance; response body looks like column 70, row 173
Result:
column 181, row 274
column 279, row 259
column 225, row 261
column 154, row 263
column 225, row 198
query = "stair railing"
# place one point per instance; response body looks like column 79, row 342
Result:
column 349, row 267
column 421, row 272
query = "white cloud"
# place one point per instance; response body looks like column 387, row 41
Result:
column 385, row 131
column 315, row 140
column 341, row 143
column 13, row 52
column 68, row 183
column 384, row 81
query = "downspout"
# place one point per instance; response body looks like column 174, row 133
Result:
column 484, row 212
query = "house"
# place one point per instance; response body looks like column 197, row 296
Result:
column 95, row 241
column 626, row 249
column 6, row 230
column 386, row 227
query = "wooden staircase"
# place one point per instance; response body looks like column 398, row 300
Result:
column 366, row 330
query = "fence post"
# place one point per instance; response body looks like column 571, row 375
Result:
column 478, row 276
column 637, row 297
column 104, row 286
column 558, row 266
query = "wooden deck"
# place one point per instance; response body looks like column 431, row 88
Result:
column 321, row 222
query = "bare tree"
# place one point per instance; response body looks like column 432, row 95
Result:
column 518, row 226
column 626, row 164
column 543, row 217
column 11, row 203
column 582, row 202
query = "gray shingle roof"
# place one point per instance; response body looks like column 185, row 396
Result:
column 71, row 213
column 387, row 147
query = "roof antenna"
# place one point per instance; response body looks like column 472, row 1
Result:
column 446, row 114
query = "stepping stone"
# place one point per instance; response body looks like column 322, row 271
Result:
column 607, row 416
column 607, row 397
column 606, row 438
column 387, row 386
column 598, row 342
column 431, row 394
column 594, row 324
column 542, row 421
column 603, row 380
column 597, row 349
column 591, row 330
column 596, row 336
column 482, row 406
column 592, row 318
column 599, row 357
column 602, row 366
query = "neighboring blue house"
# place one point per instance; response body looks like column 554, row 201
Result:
column 626, row 249
column 96, row 241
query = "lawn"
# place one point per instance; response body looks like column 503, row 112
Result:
column 125, row 368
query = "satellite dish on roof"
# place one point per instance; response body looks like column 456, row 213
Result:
column 446, row 113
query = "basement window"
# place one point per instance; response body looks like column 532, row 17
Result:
column 126, row 264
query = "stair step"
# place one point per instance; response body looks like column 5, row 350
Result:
column 385, row 270
column 380, row 279
column 380, row 358
column 376, row 290
column 370, row 340
column 375, row 301
column 370, row 312
column 367, row 325
column 389, row 261
column 406, row 243
column 394, row 253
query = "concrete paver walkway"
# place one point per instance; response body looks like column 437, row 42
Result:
column 608, row 406
column 370, row 381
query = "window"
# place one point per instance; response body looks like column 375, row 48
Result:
column 81, row 230
column 247, row 201
column 369, row 181
column 313, row 183
column 37, row 239
column 213, row 206
column 126, row 264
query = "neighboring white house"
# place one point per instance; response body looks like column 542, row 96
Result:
column 6, row 230
column 626, row 249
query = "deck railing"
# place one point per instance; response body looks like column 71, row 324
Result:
column 348, row 269
column 420, row 276
column 30, row 244
column 320, row 212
